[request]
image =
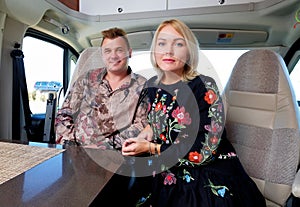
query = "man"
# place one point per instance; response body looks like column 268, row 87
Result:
column 101, row 109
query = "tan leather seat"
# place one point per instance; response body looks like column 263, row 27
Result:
column 262, row 120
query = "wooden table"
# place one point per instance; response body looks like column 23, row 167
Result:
column 70, row 178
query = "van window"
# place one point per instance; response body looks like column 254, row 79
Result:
column 220, row 62
column 43, row 62
column 295, row 79
column 49, row 64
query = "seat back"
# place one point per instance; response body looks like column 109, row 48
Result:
column 262, row 121
column 89, row 59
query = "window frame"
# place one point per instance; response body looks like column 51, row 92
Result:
column 69, row 52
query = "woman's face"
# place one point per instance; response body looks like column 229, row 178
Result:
column 171, row 52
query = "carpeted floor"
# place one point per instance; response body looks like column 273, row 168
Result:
column 18, row 158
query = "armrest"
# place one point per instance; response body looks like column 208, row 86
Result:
column 296, row 185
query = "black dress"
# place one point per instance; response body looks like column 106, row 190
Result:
column 198, row 167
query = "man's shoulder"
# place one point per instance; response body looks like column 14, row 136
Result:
column 139, row 78
column 97, row 70
column 95, row 74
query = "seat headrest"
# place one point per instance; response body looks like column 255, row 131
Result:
column 262, row 76
column 89, row 59
column 252, row 70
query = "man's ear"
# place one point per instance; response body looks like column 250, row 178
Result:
column 130, row 51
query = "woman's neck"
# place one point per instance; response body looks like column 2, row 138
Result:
column 171, row 78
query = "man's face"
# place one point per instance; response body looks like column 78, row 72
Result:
column 115, row 54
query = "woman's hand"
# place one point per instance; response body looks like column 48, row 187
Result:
column 138, row 145
column 147, row 133
column 135, row 146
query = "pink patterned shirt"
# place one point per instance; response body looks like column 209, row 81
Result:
column 94, row 114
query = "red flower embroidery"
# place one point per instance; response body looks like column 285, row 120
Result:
column 214, row 128
column 195, row 157
column 214, row 140
column 164, row 109
column 170, row 179
column 162, row 137
column 181, row 116
column 158, row 106
column 210, row 97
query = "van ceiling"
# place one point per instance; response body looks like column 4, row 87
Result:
column 259, row 22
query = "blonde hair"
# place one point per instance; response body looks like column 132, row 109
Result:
column 190, row 68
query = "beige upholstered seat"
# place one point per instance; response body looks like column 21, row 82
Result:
column 262, row 120
column 89, row 59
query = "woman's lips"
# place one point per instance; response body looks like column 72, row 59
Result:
column 168, row 60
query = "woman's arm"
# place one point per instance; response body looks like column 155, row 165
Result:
column 141, row 144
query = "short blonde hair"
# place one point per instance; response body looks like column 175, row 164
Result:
column 190, row 68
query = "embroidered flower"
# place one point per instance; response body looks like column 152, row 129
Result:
column 187, row 176
column 214, row 128
column 162, row 137
column 158, row 106
column 149, row 107
column 232, row 154
column 170, row 179
column 218, row 190
column 214, row 140
column 220, row 107
column 182, row 117
column 195, row 157
column 164, row 109
column 142, row 200
column 229, row 155
column 221, row 192
column 210, row 97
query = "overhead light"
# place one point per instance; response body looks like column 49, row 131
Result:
column 64, row 28
column 221, row 1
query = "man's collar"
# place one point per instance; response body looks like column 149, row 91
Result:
column 129, row 71
column 132, row 74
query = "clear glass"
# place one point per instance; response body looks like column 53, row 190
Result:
column 295, row 79
column 219, row 62
column 43, row 64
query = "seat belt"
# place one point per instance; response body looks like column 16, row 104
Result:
column 49, row 135
column 19, row 92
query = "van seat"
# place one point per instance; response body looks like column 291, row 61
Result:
column 262, row 121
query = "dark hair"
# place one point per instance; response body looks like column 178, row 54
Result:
column 113, row 33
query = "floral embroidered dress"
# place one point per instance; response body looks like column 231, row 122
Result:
column 197, row 167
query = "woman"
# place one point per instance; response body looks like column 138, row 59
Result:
column 194, row 164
